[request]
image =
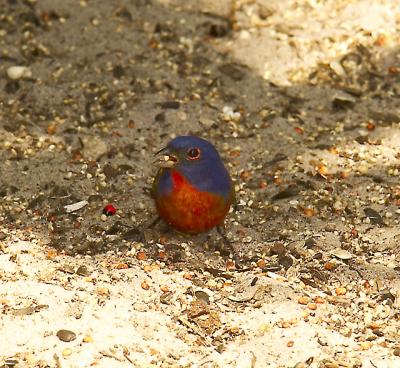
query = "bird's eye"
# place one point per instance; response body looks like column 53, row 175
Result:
column 193, row 153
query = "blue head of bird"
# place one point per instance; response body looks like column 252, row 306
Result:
column 198, row 161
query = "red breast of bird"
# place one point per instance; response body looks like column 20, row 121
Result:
column 193, row 191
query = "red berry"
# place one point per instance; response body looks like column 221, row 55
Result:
column 109, row 210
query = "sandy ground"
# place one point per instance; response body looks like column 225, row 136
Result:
column 301, row 99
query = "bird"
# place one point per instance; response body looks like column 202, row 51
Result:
column 193, row 191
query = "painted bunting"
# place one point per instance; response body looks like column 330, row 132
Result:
column 192, row 190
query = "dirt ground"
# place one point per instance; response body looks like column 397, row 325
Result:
column 301, row 98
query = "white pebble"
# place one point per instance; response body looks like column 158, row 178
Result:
column 18, row 72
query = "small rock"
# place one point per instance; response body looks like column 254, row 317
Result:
column 288, row 192
column 145, row 285
column 310, row 243
column 94, row 147
column 23, row 311
column 207, row 123
column 341, row 291
column 66, row 335
column 337, row 67
column 167, row 298
column 330, row 226
column 386, row 116
column 264, row 11
column 218, row 30
column 12, row 87
column 387, row 295
column 88, row 339
column 110, row 171
column 286, row 261
column 202, row 296
column 18, row 72
column 303, row 300
column 365, row 345
column 66, row 352
column 342, row 254
column 160, row 118
column 67, row 269
column 278, row 249
column 232, row 71
column 342, row 100
column 374, row 217
column 312, row 306
column 118, row 72
column 197, row 309
column 133, row 235
column 83, row 271
column 124, row 13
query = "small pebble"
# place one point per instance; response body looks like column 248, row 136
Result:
column 103, row 291
column 304, row 300
column 312, row 306
column 341, row 291
column 66, row 335
column 66, row 352
column 18, row 72
column 88, row 339
column 164, row 288
column 141, row 256
column 366, row 345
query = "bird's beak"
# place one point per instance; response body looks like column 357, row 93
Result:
column 164, row 158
